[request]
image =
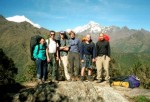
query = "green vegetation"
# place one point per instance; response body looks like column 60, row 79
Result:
column 7, row 69
column 141, row 99
column 130, row 55
column 132, row 64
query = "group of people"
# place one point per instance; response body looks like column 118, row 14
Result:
column 74, row 53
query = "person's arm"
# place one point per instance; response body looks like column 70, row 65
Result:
column 108, row 48
column 97, row 49
column 47, row 55
column 47, row 50
column 81, row 51
column 61, row 48
column 94, row 52
column 66, row 48
column 79, row 45
column 57, row 51
column 35, row 51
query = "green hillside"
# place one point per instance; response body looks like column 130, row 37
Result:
column 136, row 43
column 126, row 55
column 15, row 41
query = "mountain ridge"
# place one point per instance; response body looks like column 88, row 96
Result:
column 15, row 41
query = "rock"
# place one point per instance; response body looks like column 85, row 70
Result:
column 89, row 92
column 77, row 91
column 133, row 92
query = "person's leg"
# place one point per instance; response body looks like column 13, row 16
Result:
column 99, row 66
column 77, row 63
column 106, row 67
column 38, row 66
column 71, row 64
column 50, row 67
column 64, row 60
column 90, row 70
column 83, row 71
column 82, row 74
column 54, row 67
column 90, row 67
column 90, row 77
column 44, row 70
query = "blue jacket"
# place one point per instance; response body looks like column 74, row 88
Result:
column 74, row 45
column 39, row 52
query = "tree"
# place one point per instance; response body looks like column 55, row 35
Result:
column 7, row 69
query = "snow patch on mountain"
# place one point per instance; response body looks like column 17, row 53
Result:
column 91, row 27
column 22, row 18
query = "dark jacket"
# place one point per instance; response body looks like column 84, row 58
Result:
column 102, row 48
column 88, row 49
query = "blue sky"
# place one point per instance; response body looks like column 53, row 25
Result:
column 64, row 14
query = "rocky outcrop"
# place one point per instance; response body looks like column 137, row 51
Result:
column 75, row 92
column 90, row 92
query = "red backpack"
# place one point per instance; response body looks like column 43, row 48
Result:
column 106, row 37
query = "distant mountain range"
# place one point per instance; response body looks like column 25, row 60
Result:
column 92, row 27
column 122, row 39
column 15, row 39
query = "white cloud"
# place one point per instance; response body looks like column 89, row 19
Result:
column 22, row 18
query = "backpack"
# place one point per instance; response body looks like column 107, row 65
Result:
column 106, row 37
column 131, row 79
column 33, row 42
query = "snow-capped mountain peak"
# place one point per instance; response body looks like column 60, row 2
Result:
column 22, row 18
column 92, row 23
column 91, row 27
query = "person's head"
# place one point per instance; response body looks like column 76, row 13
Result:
column 88, row 37
column 52, row 34
column 62, row 34
column 42, row 41
column 101, row 37
column 72, row 34
column 83, row 39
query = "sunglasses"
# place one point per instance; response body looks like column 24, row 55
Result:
column 52, row 34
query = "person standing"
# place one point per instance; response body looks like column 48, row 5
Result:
column 63, row 49
column 103, row 58
column 40, row 54
column 73, row 56
column 88, row 54
column 53, row 55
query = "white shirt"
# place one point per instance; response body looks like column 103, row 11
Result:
column 52, row 45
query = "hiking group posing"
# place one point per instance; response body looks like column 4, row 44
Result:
column 49, row 54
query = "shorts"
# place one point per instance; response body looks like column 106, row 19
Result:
column 87, row 61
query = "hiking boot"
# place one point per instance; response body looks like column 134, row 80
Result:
column 39, row 81
column 99, row 81
column 69, row 80
column 82, row 78
column 90, row 78
column 55, row 81
column 73, row 78
column 43, row 80
column 77, row 78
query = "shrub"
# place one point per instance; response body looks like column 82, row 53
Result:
column 7, row 69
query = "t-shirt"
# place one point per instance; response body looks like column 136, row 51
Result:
column 52, row 45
